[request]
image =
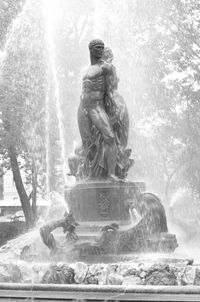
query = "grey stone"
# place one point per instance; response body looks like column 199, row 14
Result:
column 58, row 274
column 92, row 279
column 132, row 280
column 80, row 272
column 188, row 276
column 115, row 279
column 128, row 268
column 161, row 275
column 179, row 271
column 112, row 268
column 197, row 276
column 102, row 276
column 143, row 269
column 28, row 273
column 10, row 272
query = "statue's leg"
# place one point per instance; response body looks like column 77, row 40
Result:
column 101, row 120
column 111, row 156
column 84, row 124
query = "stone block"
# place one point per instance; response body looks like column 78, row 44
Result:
column 197, row 276
column 188, row 276
column 100, row 201
column 132, row 280
column 80, row 272
column 115, row 279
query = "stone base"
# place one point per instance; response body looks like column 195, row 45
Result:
column 99, row 203
column 96, row 204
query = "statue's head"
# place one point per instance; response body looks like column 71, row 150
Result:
column 96, row 48
column 108, row 55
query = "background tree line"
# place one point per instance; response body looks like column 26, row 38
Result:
column 156, row 53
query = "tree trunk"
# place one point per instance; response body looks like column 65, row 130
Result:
column 25, row 202
column 34, row 192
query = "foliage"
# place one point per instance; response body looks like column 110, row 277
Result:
column 8, row 11
column 23, row 94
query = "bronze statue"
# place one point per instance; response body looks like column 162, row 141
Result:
column 103, row 121
column 150, row 234
column 68, row 224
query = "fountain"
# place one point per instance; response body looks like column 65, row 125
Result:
column 102, row 199
column 115, row 234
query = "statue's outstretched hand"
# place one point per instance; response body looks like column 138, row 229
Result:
column 69, row 225
column 72, row 236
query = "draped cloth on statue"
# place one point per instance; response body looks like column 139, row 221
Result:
column 94, row 139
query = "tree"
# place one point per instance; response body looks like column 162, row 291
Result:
column 9, row 10
column 22, row 102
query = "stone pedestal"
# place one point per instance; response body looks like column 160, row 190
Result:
column 101, row 202
column 105, row 226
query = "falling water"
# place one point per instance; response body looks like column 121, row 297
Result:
column 52, row 62
column 47, row 145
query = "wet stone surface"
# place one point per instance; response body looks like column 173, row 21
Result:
column 126, row 274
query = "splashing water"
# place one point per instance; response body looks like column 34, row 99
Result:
column 47, row 146
column 31, row 241
column 52, row 60
column 57, row 207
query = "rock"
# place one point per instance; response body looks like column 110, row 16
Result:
column 27, row 272
column 143, row 269
column 59, row 274
column 92, row 279
column 115, row 279
column 92, row 273
column 4, row 274
column 127, row 268
column 10, row 272
column 112, row 268
column 97, row 274
column 80, row 272
column 132, row 280
column 130, row 271
column 197, row 276
column 94, row 269
column 179, row 271
column 102, row 276
column 188, row 276
column 161, row 278
column 38, row 272
column 160, row 275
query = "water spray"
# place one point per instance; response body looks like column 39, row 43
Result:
column 53, row 70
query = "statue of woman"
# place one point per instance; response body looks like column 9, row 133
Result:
column 114, row 102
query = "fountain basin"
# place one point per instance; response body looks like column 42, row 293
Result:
column 38, row 292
